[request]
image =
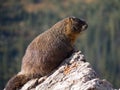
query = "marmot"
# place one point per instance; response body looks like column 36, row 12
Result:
column 47, row 51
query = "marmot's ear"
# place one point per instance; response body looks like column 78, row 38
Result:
column 68, row 24
column 68, row 21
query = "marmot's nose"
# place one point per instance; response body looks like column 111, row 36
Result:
column 84, row 26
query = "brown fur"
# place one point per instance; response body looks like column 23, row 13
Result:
column 48, row 50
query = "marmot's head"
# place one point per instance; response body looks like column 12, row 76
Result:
column 71, row 27
column 74, row 26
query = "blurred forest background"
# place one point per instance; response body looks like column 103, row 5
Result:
column 22, row 20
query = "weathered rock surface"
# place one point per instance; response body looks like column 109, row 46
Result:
column 73, row 74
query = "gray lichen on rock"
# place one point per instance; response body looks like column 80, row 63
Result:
column 73, row 74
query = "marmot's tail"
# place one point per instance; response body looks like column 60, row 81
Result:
column 16, row 82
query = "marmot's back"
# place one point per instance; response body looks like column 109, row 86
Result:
column 45, row 53
column 48, row 50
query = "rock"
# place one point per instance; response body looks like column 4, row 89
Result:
column 73, row 74
column 30, row 84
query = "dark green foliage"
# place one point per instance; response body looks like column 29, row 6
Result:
column 100, row 43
